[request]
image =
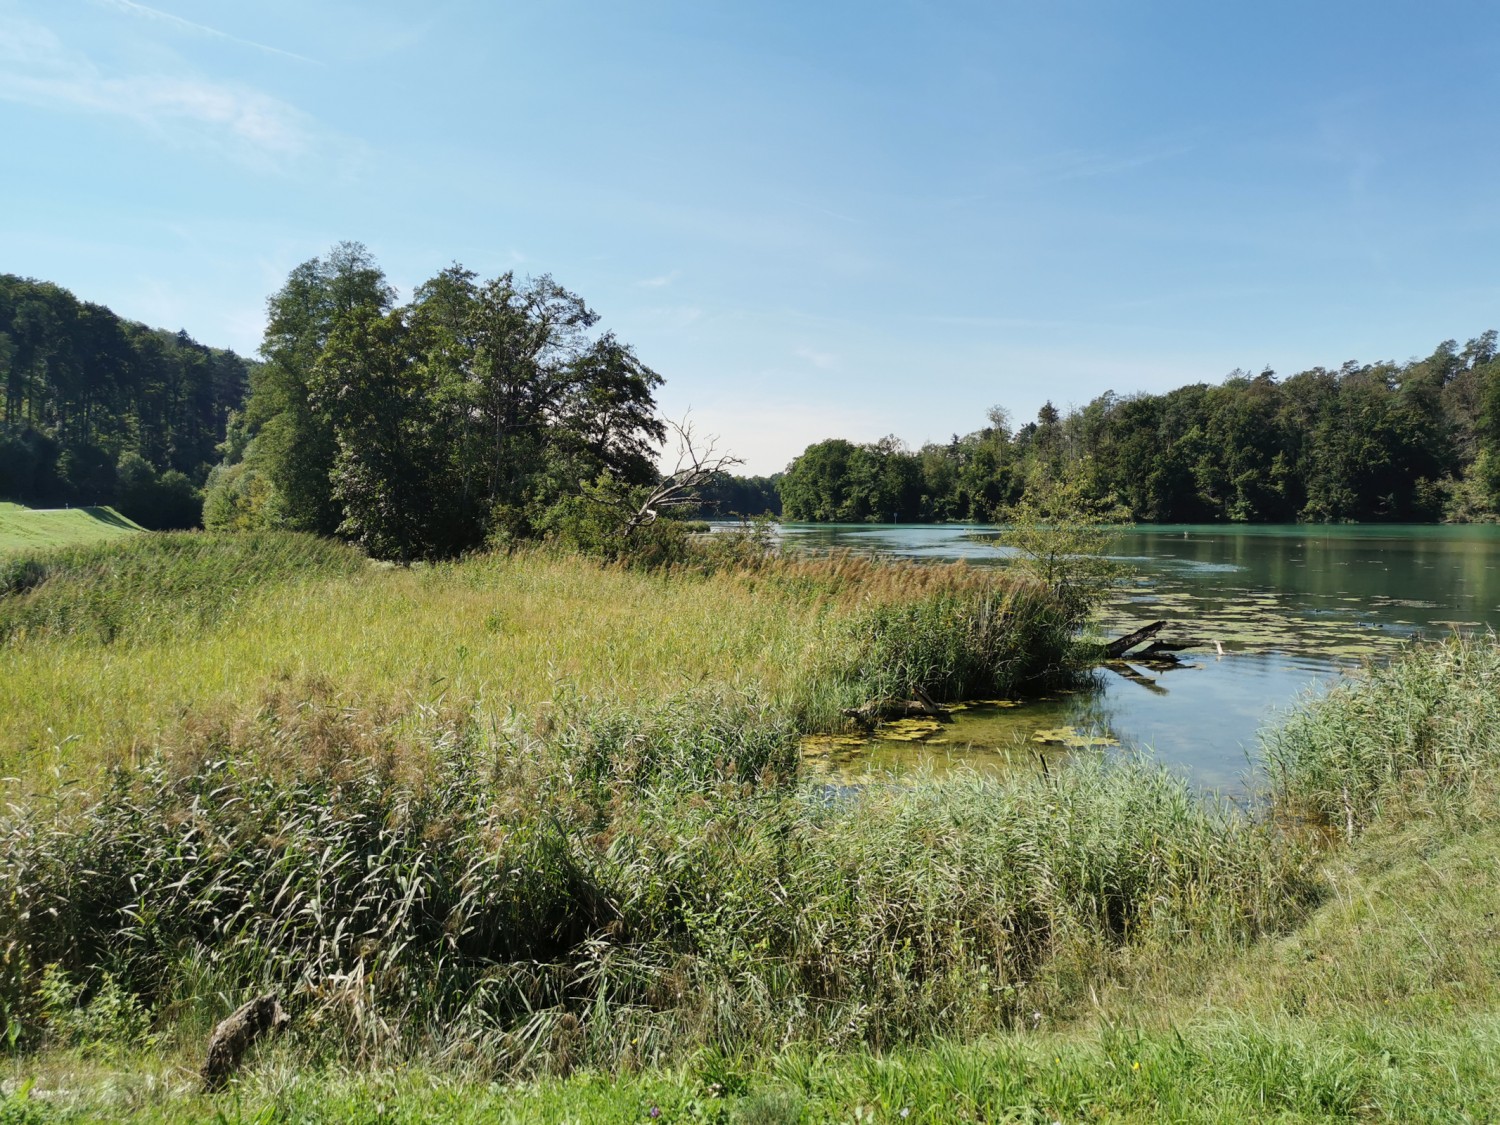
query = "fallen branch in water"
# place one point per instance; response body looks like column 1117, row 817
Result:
column 878, row 711
column 1118, row 648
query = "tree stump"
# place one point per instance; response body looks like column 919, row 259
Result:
column 236, row 1034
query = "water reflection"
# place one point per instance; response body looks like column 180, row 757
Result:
column 1280, row 610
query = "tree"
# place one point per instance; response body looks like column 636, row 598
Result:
column 384, row 478
column 295, row 444
column 425, row 429
column 83, row 388
column 1059, row 533
column 816, row 484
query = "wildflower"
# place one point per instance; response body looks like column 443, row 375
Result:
column 1136, row 1065
column 655, row 1111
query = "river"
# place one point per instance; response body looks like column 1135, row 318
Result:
column 1280, row 611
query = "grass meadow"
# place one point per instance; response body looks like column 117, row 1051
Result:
column 108, row 649
column 28, row 529
column 525, row 838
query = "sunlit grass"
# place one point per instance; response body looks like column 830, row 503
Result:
column 32, row 529
column 109, row 652
column 537, row 818
column 509, row 631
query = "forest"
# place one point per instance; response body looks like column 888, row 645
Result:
column 100, row 410
column 489, row 412
column 1416, row 442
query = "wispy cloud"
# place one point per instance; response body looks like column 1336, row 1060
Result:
column 1080, row 165
column 659, row 282
column 38, row 69
column 156, row 15
column 823, row 361
column 1061, row 165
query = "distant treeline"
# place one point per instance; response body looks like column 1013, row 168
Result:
column 99, row 410
column 734, row 497
column 483, row 411
column 1418, row 441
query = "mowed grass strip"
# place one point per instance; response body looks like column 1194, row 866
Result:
column 34, row 529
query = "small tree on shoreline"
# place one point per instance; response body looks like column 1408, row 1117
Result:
column 1059, row 534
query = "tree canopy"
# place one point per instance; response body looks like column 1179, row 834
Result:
column 428, row 428
column 100, row 410
column 1417, row 441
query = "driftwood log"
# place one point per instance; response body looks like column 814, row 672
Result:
column 1157, row 652
column 1118, row 648
column 236, row 1034
column 878, row 711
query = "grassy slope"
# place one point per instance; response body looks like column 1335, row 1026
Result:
column 31, row 529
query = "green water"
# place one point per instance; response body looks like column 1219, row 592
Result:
column 1279, row 611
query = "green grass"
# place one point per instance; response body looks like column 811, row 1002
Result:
column 105, row 657
column 1380, row 1006
column 628, row 889
column 575, row 873
column 32, row 529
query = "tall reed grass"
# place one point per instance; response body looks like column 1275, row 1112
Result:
column 107, row 649
column 621, row 889
column 1420, row 733
column 136, row 588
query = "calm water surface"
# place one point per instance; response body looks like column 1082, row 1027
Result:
column 1290, row 607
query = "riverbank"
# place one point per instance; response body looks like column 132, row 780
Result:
column 1374, row 1000
column 613, row 903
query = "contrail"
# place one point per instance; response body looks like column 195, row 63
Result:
column 145, row 12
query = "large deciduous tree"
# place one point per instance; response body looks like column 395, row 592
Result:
column 421, row 430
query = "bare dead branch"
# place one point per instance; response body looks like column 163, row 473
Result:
column 699, row 461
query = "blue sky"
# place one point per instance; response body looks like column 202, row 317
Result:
column 814, row 220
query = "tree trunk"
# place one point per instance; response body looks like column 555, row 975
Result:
column 236, row 1034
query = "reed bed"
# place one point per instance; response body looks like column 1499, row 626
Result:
column 621, row 889
column 645, row 895
column 107, row 650
column 1417, row 735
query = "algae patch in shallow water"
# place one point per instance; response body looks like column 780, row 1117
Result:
column 907, row 730
column 990, row 735
column 1069, row 737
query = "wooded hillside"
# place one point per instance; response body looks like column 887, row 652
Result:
column 101, row 410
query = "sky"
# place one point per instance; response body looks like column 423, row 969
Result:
column 813, row 220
